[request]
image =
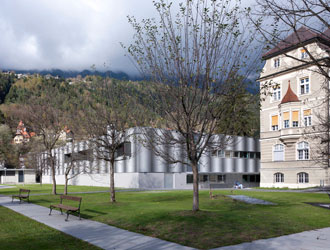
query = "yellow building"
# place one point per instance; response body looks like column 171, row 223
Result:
column 289, row 116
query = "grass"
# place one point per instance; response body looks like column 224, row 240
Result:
column 20, row 232
column 47, row 189
column 168, row 215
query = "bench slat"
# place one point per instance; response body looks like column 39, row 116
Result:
column 73, row 198
column 24, row 190
column 69, row 208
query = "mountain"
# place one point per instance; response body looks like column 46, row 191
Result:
column 69, row 74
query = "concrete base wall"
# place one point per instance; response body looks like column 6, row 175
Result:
column 147, row 180
column 317, row 176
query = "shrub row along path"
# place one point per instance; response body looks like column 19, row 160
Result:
column 108, row 237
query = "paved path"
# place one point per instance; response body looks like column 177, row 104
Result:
column 3, row 186
column 96, row 233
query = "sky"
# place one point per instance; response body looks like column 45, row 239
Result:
column 68, row 34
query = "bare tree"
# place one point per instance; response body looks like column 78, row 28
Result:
column 106, row 120
column 276, row 20
column 43, row 116
column 34, row 160
column 198, row 55
column 72, row 166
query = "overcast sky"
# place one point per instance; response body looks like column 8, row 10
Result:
column 68, row 34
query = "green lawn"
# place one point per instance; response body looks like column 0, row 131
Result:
column 167, row 215
column 47, row 189
column 20, row 232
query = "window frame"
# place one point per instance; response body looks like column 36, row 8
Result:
column 303, row 53
column 275, row 127
column 304, row 84
column 307, row 118
column 278, row 177
column 276, row 63
column 277, row 93
column 302, row 177
column 278, row 150
column 303, row 151
column 295, row 124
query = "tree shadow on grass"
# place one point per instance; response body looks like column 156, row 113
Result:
column 318, row 204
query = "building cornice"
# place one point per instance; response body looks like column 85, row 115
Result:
column 305, row 65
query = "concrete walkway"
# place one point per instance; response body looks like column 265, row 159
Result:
column 96, row 233
column 4, row 186
column 108, row 237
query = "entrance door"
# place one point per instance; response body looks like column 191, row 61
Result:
column 20, row 176
column 168, row 181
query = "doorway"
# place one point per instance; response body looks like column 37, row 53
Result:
column 20, row 176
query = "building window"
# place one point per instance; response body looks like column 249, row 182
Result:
column 304, row 86
column 286, row 119
column 277, row 62
column 303, row 177
column 278, row 177
column 307, row 117
column 303, row 151
column 308, row 121
column 279, row 152
column 277, row 93
column 251, row 178
column 124, row 150
column 295, row 119
column 228, row 154
column 244, row 154
column 190, row 178
column 275, row 122
column 218, row 153
column 221, row 178
column 203, row 178
column 303, row 54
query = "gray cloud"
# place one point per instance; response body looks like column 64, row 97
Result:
column 68, row 34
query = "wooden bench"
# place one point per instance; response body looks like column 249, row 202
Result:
column 23, row 194
column 69, row 209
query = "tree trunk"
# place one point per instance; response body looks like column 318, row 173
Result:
column 40, row 178
column 66, row 185
column 52, row 165
column 112, row 182
column 195, row 187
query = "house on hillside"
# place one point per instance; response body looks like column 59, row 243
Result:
column 22, row 135
column 290, row 116
column 139, row 167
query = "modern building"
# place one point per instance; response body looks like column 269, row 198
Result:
column 140, row 168
column 290, row 114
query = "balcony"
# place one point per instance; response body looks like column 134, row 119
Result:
column 290, row 135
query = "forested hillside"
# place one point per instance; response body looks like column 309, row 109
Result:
column 142, row 97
